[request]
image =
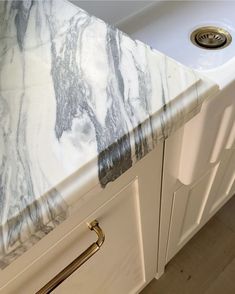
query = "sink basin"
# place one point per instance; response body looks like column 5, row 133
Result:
column 167, row 26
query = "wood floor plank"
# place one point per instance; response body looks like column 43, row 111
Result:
column 227, row 214
column 205, row 259
column 225, row 283
column 207, row 255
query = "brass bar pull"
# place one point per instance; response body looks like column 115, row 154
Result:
column 74, row 265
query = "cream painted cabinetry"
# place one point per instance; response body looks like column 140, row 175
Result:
column 119, row 265
column 195, row 204
column 224, row 187
column 198, row 174
column 128, row 213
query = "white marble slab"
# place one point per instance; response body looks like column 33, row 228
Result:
column 77, row 97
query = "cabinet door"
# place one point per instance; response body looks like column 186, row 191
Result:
column 187, row 211
column 198, row 173
column 119, row 266
column 195, row 204
column 224, row 187
column 127, row 260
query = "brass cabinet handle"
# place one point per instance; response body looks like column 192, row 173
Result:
column 74, row 265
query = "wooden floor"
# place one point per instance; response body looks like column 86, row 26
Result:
column 206, row 265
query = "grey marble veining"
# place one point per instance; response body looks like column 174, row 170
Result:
column 76, row 92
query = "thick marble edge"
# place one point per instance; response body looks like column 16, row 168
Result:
column 87, row 141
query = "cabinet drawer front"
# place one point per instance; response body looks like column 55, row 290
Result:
column 118, row 267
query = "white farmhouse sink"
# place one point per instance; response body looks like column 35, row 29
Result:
column 167, row 26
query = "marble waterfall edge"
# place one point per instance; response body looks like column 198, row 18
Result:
column 74, row 90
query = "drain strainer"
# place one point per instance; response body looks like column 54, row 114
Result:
column 211, row 37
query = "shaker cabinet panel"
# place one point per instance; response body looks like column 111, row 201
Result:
column 127, row 260
column 224, row 187
column 198, row 173
column 194, row 205
column 118, row 267
column 187, row 211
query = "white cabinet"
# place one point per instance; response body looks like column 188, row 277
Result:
column 198, row 174
column 119, row 266
column 187, row 212
column 195, row 204
column 224, row 184
column 128, row 213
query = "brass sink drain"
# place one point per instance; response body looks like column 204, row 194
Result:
column 211, row 37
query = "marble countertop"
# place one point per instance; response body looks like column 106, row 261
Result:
column 78, row 99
